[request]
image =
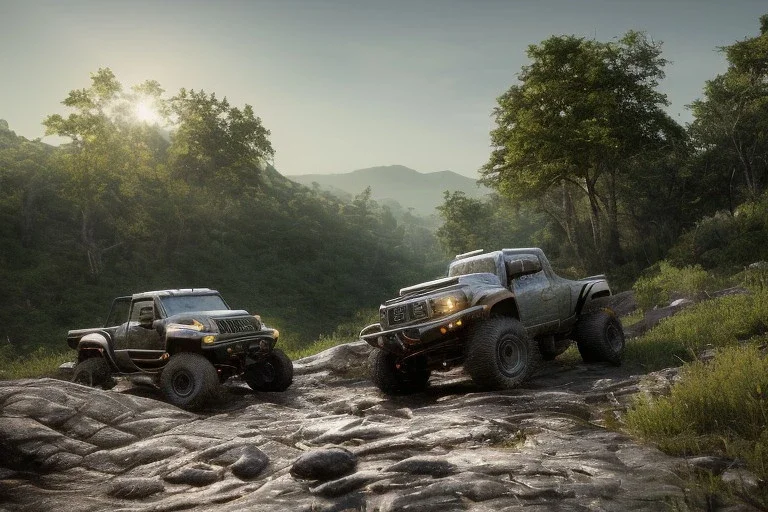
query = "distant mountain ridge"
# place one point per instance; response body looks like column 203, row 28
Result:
column 408, row 187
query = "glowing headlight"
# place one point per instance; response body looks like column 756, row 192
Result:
column 193, row 325
column 448, row 304
column 275, row 333
column 208, row 340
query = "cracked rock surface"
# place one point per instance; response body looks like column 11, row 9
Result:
column 332, row 441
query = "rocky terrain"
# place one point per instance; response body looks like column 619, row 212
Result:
column 333, row 442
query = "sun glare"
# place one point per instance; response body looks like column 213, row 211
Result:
column 146, row 113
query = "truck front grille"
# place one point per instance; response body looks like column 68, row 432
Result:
column 404, row 313
column 234, row 325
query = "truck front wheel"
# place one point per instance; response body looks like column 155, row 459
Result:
column 274, row 373
column 500, row 354
column 189, row 380
column 94, row 372
column 394, row 377
column 600, row 338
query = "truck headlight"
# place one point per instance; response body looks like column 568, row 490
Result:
column 448, row 304
column 190, row 325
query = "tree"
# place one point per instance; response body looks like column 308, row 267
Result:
column 216, row 143
column 731, row 119
column 105, row 163
column 583, row 114
column 464, row 223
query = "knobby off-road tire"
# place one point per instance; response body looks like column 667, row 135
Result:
column 275, row 373
column 189, row 380
column 500, row 354
column 411, row 377
column 600, row 338
column 94, row 372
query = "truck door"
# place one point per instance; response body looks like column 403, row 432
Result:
column 537, row 299
column 132, row 336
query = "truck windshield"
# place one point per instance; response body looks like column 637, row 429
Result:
column 190, row 303
column 472, row 266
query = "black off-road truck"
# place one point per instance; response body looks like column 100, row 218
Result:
column 189, row 340
column 498, row 314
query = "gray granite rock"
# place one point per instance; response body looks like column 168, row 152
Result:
column 454, row 447
column 324, row 464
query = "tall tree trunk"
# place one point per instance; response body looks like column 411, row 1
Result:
column 569, row 221
column 88, row 240
column 594, row 217
column 615, row 254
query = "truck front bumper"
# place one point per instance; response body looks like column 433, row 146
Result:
column 252, row 347
column 402, row 340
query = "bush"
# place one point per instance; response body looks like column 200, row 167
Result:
column 718, row 323
column 724, row 241
column 720, row 407
column 669, row 282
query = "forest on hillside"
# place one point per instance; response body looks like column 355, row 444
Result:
column 588, row 164
column 585, row 163
column 127, row 207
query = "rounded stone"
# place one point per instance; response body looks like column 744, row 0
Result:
column 324, row 464
column 197, row 475
column 252, row 461
column 134, row 488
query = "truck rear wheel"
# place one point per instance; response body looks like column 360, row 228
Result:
column 94, row 372
column 189, row 380
column 397, row 379
column 500, row 354
column 600, row 338
column 274, row 373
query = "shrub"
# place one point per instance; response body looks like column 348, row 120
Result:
column 718, row 323
column 669, row 282
column 724, row 241
column 719, row 407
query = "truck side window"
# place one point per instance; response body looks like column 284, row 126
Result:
column 118, row 313
column 137, row 308
column 537, row 281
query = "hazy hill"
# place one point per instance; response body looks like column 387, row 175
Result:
column 412, row 189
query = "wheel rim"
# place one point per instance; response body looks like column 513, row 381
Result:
column 511, row 356
column 614, row 338
column 268, row 372
column 182, row 384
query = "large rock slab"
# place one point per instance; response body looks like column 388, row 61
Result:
column 453, row 447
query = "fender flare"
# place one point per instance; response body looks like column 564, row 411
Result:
column 503, row 303
column 593, row 297
column 96, row 341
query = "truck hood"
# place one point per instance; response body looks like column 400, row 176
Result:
column 470, row 280
column 222, row 313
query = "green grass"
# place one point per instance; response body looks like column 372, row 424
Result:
column 323, row 343
column 632, row 318
column 716, row 323
column 719, row 407
column 41, row 363
column 668, row 282
column 346, row 332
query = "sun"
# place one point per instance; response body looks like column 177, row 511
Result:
column 146, row 113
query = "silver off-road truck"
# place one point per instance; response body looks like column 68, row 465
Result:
column 188, row 340
column 498, row 314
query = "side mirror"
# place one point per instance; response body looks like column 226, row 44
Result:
column 146, row 317
column 522, row 267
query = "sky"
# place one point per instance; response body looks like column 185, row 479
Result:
column 344, row 84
